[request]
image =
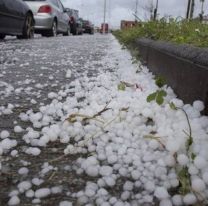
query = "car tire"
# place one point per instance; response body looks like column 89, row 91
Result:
column 44, row 34
column 80, row 33
column 53, row 30
column 28, row 28
column 68, row 32
column 74, row 29
column 2, row 36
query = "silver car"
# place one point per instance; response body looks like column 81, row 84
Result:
column 50, row 17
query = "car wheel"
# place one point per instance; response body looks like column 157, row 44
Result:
column 68, row 31
column 44, row 34
column 80, row 33
column 74, row 29
column 2, row 36
column 28, row 28
column 53, row 31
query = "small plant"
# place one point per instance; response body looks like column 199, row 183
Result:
column 185, row 181
column 160, row 81
column 189, row 141
column 121, row 86
column 159, row 95
column 182, row 172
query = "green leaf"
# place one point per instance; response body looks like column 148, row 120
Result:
column 193, row 156
column 189, row 142
column 183, row 173
column 184, row 179
column 159, row 99
column 160, row 81
column 172, row 106
column 122, row 86
column 151, row 97
column 162, row 93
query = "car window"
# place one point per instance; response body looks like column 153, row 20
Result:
column 54, row 2
column 60, row 5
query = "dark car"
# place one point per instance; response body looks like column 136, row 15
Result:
column 79, row 26
column 74, row 21
column 16, row 18
column 88, row 27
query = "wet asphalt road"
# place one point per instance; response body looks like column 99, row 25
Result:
column 29, row 70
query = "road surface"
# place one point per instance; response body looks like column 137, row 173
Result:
column 30, row 70
column 76, row 128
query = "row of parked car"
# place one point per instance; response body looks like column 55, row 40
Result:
column 23, row 18
column 78, row 25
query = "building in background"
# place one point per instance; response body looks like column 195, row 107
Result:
column 104, row 28
column 127, row 24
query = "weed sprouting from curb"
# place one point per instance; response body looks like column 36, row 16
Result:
column 159, row 95
column 182, row 172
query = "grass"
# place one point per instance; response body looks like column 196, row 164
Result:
column 180, row 32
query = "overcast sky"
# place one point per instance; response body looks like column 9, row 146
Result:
column 124, row 9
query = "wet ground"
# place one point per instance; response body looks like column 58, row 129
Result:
column 29, row 70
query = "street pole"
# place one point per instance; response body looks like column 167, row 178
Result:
column 104, row 17
column 136, row 11
column 188, row 10
column 192, row 9
column 202, row 10
column 155, row 11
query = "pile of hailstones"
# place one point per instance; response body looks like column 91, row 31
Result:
column 127, row 168
column 140, row 171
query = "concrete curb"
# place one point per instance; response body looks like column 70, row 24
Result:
column 184, row 67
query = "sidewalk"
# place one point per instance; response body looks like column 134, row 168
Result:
column 105, row 146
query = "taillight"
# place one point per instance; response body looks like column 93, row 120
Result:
column 45, row 9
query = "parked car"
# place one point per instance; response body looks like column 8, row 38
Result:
column 88, row 27
column 79, row 27
column 74, row 21
column 50, row 17
column 16, row 18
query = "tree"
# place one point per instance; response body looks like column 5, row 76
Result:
column 149, row 7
